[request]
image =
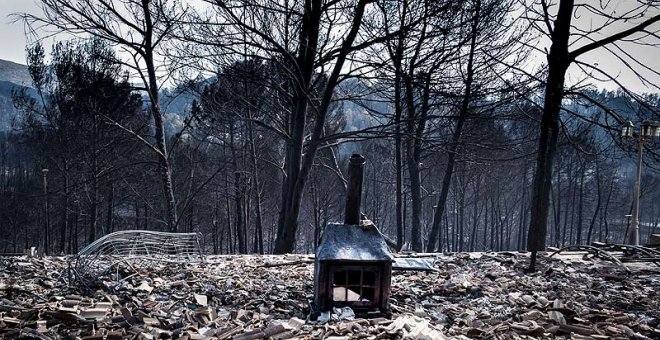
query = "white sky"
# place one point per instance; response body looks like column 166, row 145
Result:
column 13, row 39
column 13, row 36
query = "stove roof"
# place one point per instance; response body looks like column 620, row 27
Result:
column 353, row 243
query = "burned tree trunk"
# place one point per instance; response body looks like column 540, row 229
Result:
column 558, row 62
column 238, row 218
column 456, row 138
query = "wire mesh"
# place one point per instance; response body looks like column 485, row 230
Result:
column 134, row 250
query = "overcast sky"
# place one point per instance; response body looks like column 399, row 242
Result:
column 12, row 34
column 14, row 41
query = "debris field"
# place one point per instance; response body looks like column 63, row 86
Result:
column 468, row 295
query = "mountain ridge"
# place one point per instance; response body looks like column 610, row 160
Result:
column 13, row 76
column 15, row 73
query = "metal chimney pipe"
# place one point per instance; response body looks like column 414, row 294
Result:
column 354, row 193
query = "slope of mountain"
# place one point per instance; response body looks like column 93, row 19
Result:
column 13, row 76
column 14, row 73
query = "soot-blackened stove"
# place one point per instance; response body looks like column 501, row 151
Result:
column 353, row 265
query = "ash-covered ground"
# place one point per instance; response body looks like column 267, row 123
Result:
column 477, row 295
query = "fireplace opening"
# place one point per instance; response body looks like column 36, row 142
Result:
column 357, row 285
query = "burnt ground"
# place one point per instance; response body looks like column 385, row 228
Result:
column 476, row 295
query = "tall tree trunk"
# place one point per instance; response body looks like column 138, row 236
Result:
column 574, row 194
column 433, row 239
column 93, row 210
column 399, row 183
column 111, row 207
column 298, row 167
column 216, row 223
column 316, row 212
column 523, row 209
column 76, row 230
column 164, row 167
column 567, row 209
column 597, row 209
column 397, row 57
column 259, row 231
column 493, row 224
column 145, row 217
column 258, row 237
column 580, row 207
column 461, row 218
column 230, row 243
column 557, row 205
column 238, row 216
column 412, row 162
column 415, row 131
column 309, row 34
column 485, row 224
column 475, row 214
column 607, row 206
column 65, row 210
column 558, row 62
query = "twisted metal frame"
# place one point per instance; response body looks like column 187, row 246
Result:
column 134, row 249
column 593, row 251
column 631, row 253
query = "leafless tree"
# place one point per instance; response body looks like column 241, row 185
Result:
column 313, row 41
column 138, row 28
column 568, row 44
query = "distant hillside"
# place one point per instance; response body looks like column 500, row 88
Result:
column 15, row 73
column 12, row 76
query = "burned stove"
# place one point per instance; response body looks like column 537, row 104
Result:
column 353, row 268
column 353, row 263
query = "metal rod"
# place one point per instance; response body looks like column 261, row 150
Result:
column 354, row 193
column 634, row 226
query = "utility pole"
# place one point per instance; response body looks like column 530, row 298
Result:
column 648, row 131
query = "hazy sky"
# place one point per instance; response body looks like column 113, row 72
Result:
column 12, row 34
column 13, row 47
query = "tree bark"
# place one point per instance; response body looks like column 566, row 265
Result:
column 259, row 232
column 598, row 203
column 415, row 131
column 238, row 217
column 65, row 210
column 456, row 138
column 578, row 239
column 94, row 208
column 164, row 167
column 398, row 164
column 475, row 213
column 558, row 62
column 557, row 205
column 111, row 206
column 292, row 193
column 298, row 167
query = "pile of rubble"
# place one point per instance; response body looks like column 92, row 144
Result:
column 254, row 297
